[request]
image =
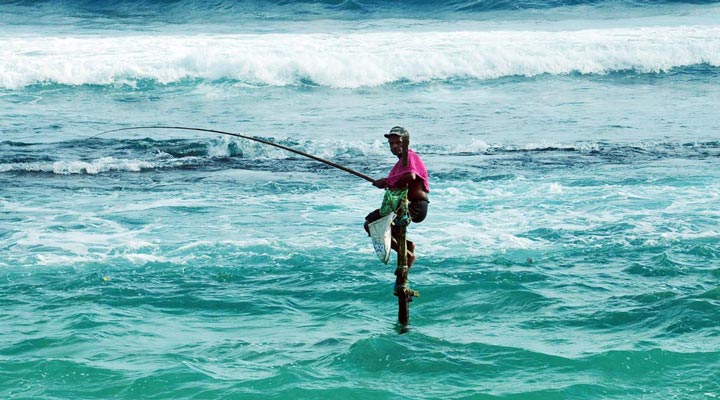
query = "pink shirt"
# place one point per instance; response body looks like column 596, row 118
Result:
column 415, row 164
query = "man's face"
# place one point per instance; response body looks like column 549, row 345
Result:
column 396, row 145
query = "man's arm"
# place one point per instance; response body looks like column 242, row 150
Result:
column 380, row 183
column 402, row 183
column 405, row 180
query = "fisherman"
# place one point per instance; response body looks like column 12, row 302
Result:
column 413, row 176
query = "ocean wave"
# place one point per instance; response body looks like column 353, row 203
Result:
column 104, row 164
column 310, row 8
column 139, row 155
column 690, row 150
column 353, row 60
column 94, row 156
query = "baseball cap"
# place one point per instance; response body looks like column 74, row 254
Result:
column 398, row 131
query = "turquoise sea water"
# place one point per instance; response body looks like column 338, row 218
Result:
column 571, row 249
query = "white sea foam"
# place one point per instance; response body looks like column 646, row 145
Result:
column 352, row 60
column 85, row 244
column 199, row 244
column 162, row 203
column 94, row 167
column 476, row 146
column 555, row 188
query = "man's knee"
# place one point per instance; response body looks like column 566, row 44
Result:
column 373, row 216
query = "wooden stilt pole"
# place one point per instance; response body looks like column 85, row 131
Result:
column 402, row 291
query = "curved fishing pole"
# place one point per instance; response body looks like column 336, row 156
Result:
column 290, row 149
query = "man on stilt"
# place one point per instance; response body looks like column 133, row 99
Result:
column 412, row 177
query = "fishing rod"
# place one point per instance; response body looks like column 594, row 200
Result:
column 263, row 141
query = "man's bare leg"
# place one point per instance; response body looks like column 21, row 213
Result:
column 410, row 251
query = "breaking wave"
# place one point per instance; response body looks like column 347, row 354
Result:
column 140, row 155
column 354, row 60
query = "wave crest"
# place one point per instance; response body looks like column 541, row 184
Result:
column 130, row 155
column 352, row 60
column 94, row 167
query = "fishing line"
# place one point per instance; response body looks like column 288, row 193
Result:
column 263, row 141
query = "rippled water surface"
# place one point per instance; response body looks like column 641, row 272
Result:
column 570, row 252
